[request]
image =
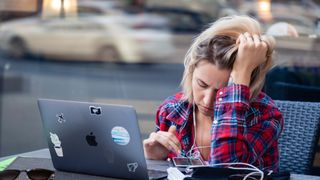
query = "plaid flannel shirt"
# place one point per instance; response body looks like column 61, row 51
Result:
column 242, row 130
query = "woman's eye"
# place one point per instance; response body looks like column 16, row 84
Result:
column 202, row 84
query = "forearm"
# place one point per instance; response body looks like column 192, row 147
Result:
column 244, row 132
column 229, row 125
column 255, row 145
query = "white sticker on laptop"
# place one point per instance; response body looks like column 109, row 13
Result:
column 56, row 144
column 61, row 118
column 120, row 135
column 132, row 166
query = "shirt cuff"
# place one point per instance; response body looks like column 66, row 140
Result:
column 233, row 94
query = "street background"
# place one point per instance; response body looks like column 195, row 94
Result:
column 131, row 52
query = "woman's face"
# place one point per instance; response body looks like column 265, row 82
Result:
column 207, row 79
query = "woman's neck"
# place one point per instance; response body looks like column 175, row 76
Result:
column 203, row 134
column 202, row 119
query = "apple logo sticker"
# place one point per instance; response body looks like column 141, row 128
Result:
column 120, row 135
column 91, row 139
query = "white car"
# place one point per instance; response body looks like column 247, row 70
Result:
column 122, row 38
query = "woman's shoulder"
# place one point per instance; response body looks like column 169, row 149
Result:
column 173, row 101
column 175, row 108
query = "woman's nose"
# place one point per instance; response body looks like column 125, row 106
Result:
column 209, row 98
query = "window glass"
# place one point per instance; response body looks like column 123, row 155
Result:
column 132, row 52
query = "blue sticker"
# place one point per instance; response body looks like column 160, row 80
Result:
column 120, row 135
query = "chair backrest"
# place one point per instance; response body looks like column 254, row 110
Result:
column 295, row 92
column 298, row 139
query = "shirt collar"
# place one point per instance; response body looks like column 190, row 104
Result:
column 180, row 113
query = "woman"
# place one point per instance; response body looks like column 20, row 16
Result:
column 222, row 116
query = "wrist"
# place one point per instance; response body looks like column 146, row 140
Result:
column 242, row 77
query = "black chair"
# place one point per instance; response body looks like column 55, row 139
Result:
column 297, row 143
column 296, row 92
column 293, row 84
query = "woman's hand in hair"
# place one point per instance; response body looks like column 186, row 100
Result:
column 251, row 53
column 160, row 143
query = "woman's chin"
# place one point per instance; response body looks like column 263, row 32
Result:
column 206, row 112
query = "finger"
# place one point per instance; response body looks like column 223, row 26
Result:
column 160, row 138
column 256, row 39
column 265, row 42
column 164, row 139
column 148, row 142
column 151, row 140
column 171, row 138
column 248, row 37
column 264, row 39
column 239, row 37
column 172, row 129
column 154, row 137
column 242, row 39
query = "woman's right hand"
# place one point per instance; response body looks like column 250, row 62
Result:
column 160, row 143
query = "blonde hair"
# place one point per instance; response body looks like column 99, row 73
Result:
column 217, row 44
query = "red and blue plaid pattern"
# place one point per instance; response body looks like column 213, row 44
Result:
column 242, row 131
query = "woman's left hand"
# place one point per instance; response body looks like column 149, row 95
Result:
column 252, row 52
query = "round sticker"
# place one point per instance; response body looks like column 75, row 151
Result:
column 120, row 135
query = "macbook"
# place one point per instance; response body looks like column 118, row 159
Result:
column 92, row 138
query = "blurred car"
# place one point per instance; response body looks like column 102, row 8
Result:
column 182, row 20
column 184, row 25
column 99, row 38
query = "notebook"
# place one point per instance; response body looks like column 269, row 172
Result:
column 96, row 139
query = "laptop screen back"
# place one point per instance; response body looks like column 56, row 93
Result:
column 92, row 138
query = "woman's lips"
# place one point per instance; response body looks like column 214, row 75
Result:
column 206, row 109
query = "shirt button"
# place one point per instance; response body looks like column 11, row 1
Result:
column 220, row 93
column 215, row 122
column 220, row 99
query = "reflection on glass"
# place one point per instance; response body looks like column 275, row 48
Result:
column 134, row 38
column 59, row 8
column 264, row 10
column 56, row 4
column 103, row 30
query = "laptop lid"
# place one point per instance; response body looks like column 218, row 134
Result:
column 92, row 138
